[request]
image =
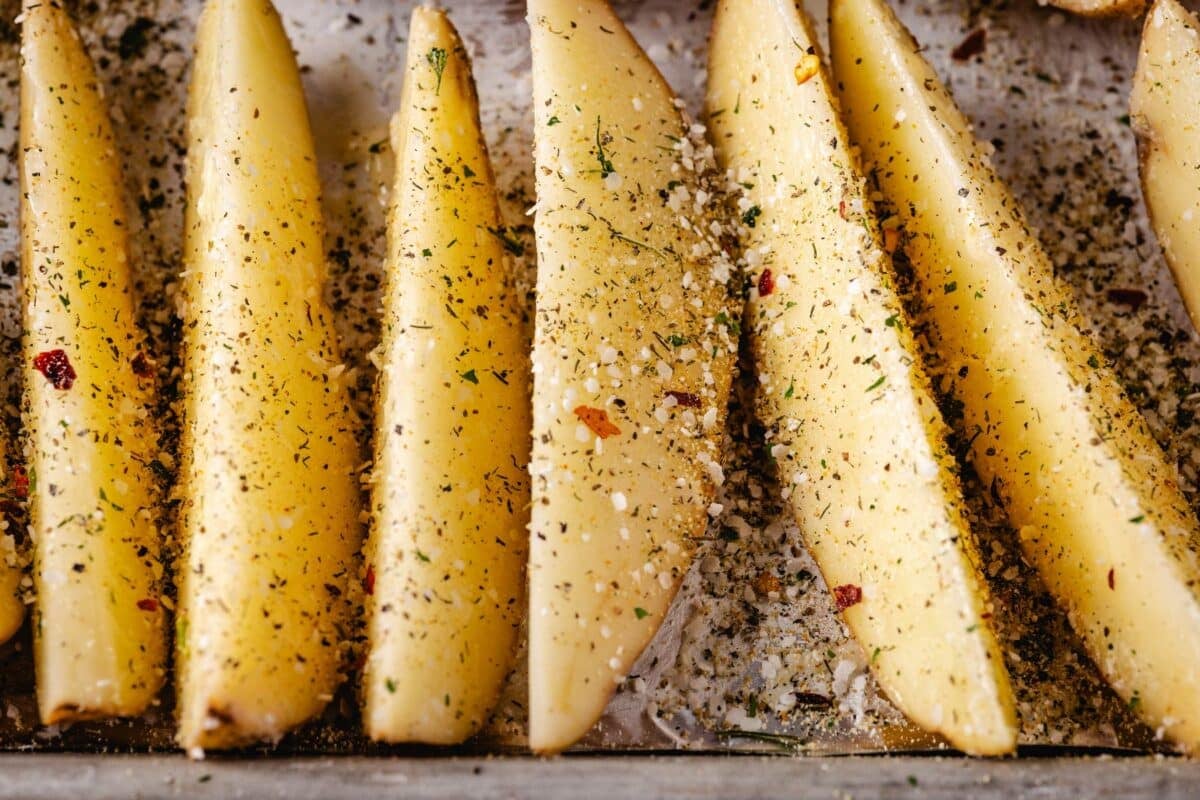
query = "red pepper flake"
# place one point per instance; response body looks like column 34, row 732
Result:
column 842, row 209
column 685, row 399
column 143, row 367
column 369, row 580
column 1112, row 578
column 847, row 595
column 1133, row 298
column 20, row 482
column 57, row 368
column 766, row 283
column 597, row 421
column 971, row 46
column 148, row 604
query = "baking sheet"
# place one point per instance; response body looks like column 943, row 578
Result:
column 752, row 655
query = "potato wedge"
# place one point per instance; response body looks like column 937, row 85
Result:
column 1095, row 502
column 450, row 497
column 632, row 360
column 1165, row 113
column 271, row 501
column 12, row 605
column 1101, row 8
column 100, row 646
column 853, row 425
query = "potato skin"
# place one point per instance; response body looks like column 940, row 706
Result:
column 853, row 424
column 450, row 492
column 271, row 499
column 99, row 643
column 1097, row 506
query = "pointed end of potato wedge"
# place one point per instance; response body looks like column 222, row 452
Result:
column 1101, row 9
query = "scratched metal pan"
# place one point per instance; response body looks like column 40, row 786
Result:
column 743, row 662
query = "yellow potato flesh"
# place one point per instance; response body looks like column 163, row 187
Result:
column 1097, row 506
column 632, row 358
column 451, row 490
column 98, row 623
column 271, row 502
column 1165, row 113
column 856, row 432
column 12, row 605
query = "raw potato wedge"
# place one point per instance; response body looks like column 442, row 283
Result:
column 99, row 647
column 12, row 605
column 1096, row 504
column 451, row 490
column 852, row 422
column 1165, row 112
column 271, row 501
column 632, row 359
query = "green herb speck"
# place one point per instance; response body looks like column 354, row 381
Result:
column 437, row 59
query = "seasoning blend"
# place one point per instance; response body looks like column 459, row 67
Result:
column 99, row 640
column 636, row 334
column 271, row 499
column 450, row 493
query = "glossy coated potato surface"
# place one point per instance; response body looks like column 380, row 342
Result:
column 451, row 488
column 1165, row 113
column 1096, row 504
column 271, row 498
column 632, row 361
column 99, row 647
column 853, row 425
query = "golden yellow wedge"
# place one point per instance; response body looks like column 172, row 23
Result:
column 12, row 605
column 1165, row 113
column 1096, row 504
column 450, row 490
column 854, row 426
column 98, row 622
column 1101, row 8
column 632, row 359
column 271, row 502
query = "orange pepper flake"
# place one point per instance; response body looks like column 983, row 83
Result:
column 148, row 604
column 20, row 482
column 807, row 68
column 847, row 595
column 597, row 421
column 891, row 239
